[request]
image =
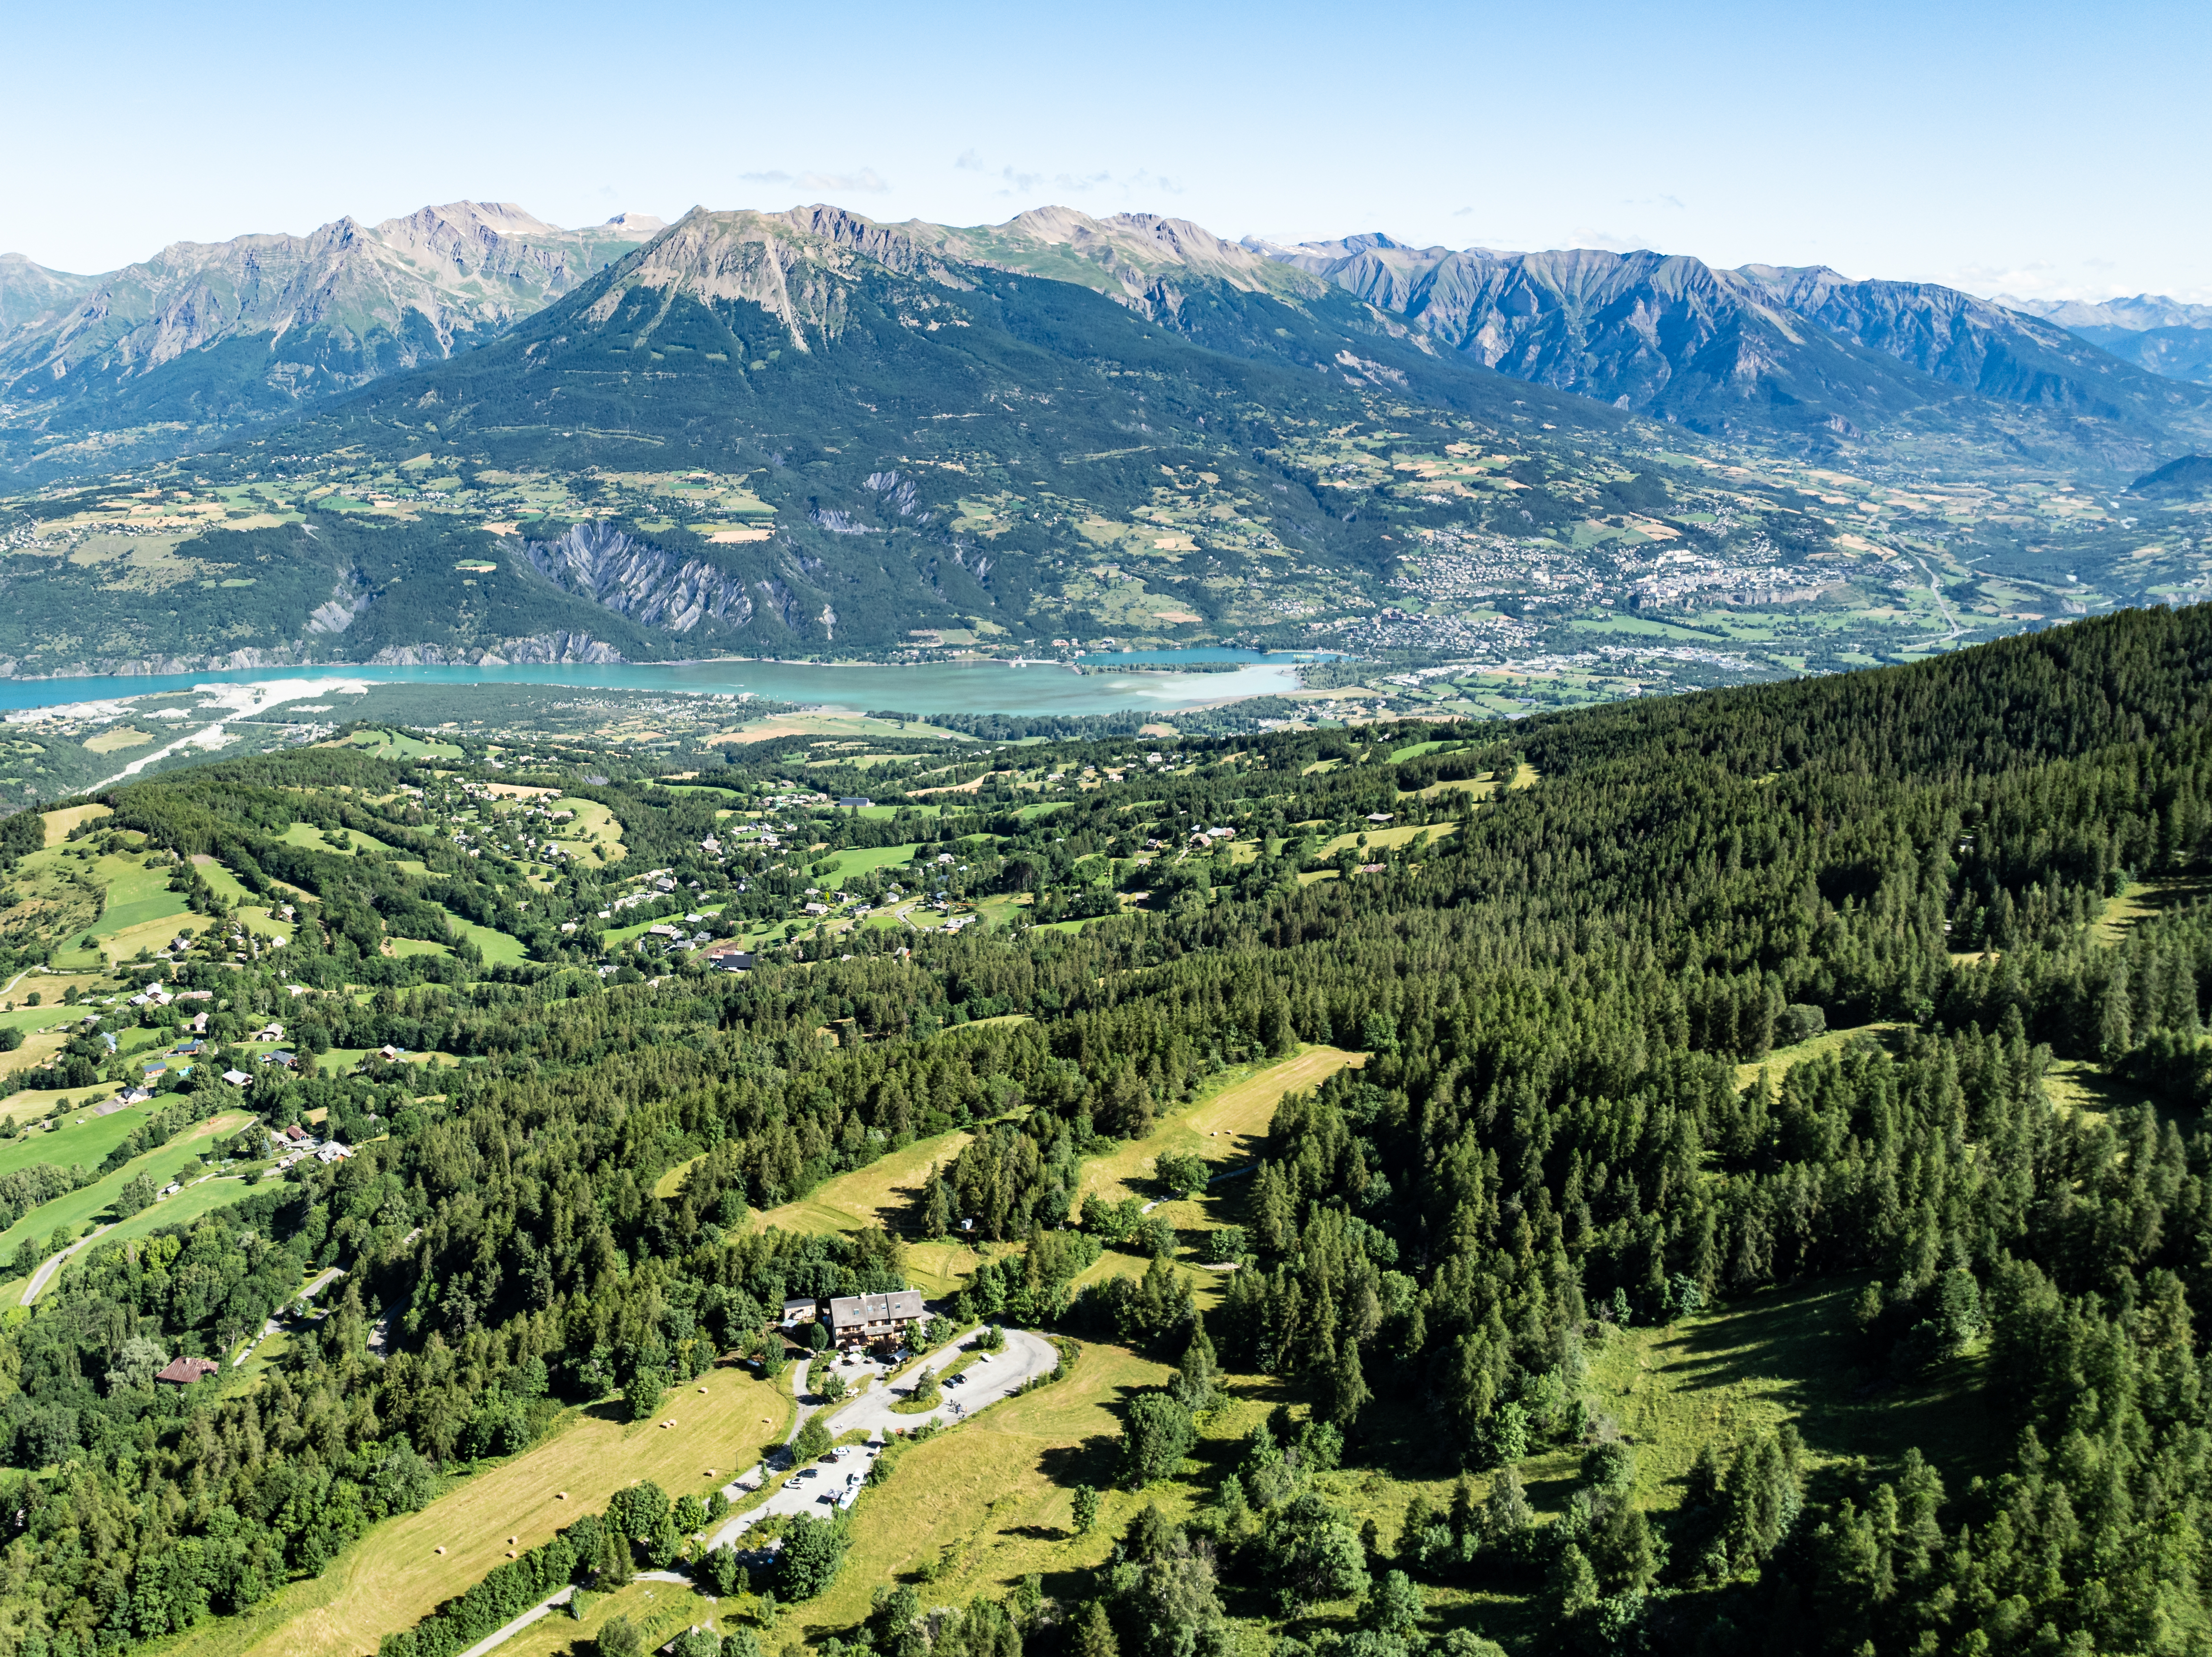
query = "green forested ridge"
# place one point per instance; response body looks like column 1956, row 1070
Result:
column 1995, row 859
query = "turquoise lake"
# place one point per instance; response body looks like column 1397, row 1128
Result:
column 924, row 688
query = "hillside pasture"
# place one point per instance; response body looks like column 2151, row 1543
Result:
column 393, row 1576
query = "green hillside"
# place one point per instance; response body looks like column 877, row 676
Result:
column 1730, row 1177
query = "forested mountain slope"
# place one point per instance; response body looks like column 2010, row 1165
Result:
column 1555, row 985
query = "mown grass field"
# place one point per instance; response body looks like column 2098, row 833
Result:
column 35, row 1104
column 50, row 1014
column 135, row 894
column 251, row 911
column 886, row 1192
column 1390, row 836
column 1776, row 1063
column 498, row 947
column 860, row 860
column 187, row 1206
column 59, row 823
column 83, row 1139
column 79, row 1209
column 1226, row 1125
column 664, row 1608
column 206, row 1197
column 354, row 842
column 393, row 744
column 393, row 1576
column 996, row 1492
column 594, row 827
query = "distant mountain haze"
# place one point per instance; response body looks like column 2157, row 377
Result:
column 2150, row 331
column 29, row 290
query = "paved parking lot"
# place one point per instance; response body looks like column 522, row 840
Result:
column 986, row 1381
column 836, row 1481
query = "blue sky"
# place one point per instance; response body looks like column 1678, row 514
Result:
column 2020, row 148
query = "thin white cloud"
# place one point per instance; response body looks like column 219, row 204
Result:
column 866, row 181
column 1014, row 181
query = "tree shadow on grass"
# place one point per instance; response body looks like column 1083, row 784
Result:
column 1092, row 1462
column 1800, row 1346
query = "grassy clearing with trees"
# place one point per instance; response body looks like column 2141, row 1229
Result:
column 395, row 1575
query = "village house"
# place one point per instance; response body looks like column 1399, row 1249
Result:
column 188, row 1372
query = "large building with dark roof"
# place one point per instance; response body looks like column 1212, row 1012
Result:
column 871, row 1319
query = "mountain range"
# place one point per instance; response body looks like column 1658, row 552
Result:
column 2163, row 335
column 1729, row 351
column 467, row 435
column 206, row 338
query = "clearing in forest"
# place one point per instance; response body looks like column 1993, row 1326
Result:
column 991, row 1500
column 59, row 823
column 887, row 1193
column 393, row 1576
column 1776, row 1063
column 1225, row 1126
column 2142, row 901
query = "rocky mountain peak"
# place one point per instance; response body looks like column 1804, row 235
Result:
column 2137, row 314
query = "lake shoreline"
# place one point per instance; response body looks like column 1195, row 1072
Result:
column 1204, row 659
column 1026, row 685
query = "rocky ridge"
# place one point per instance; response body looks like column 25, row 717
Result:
column 638, row 581
column 1728, row 351
column 29, row 290
column 205, row 335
